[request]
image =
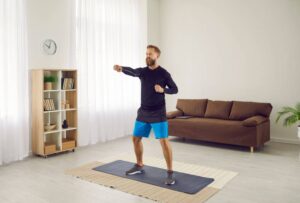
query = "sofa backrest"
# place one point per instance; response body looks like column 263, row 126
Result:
column 192, row 107
column 233, row 110
column 218, row 109
column 241, row 110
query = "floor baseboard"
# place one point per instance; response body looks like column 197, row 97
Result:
column 288, row 141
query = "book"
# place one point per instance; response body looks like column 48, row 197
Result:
column 73, row 83
column 44, row 104
column 52, row 107
column 48, row 104
column 64, row 83
column 67, row 83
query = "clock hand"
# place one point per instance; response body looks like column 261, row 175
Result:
column 47, row 45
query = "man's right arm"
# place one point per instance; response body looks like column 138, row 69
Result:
column 128, row 71
column 132, row 72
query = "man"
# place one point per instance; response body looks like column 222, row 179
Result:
column 152, row 112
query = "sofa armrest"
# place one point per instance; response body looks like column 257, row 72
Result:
column 254, row 121
column 173, row 114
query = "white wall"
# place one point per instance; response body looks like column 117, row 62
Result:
column 50, row 19
column 153, row 9
column 242, row 50
column 234, row 50
column 55, row 19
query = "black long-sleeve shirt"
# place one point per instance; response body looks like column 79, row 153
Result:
column 150, row 99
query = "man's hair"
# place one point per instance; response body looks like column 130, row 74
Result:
column 156, row 49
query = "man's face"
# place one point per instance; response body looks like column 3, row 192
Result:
column 151, row 57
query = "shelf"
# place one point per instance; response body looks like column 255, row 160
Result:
column 62, row 110
column 51, row 131
column 59, row 151
column 58, row 90
column 54, row 111
column 72, row 109
column 61, row 98
column 69, row 128
column 51, row 90
column 59, row 130
column 69, row 90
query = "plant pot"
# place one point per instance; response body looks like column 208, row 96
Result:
column 48, row 85
column 299, row 131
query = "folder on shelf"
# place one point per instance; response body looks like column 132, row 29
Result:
column 67, row 83
column 49, row 105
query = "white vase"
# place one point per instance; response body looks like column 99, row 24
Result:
column 299, row 131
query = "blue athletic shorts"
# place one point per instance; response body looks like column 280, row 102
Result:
column 142, row 129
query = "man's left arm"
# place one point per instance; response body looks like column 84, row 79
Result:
column 172, row 87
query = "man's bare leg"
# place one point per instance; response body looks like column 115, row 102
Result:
column 138, row 149
column 167, row 150
column 170, row 180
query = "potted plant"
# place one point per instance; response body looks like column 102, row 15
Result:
column 48, row 81
column 293, row 116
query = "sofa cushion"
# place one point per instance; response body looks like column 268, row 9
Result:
column 242, row 110
column 218, row 109
column 173, row 114
column 254, row 121
column 206, row 123
column 214, row 130
column 192, row 107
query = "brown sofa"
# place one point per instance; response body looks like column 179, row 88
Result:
column 229, row 122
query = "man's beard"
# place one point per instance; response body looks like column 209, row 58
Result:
column 150, row 62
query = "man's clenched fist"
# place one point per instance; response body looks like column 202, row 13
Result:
column 159, row 89
column 118, row 68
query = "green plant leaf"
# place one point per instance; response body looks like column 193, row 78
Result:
column 50, row 78
column 280, row 114
column 290, row 120
column 298, row 107
column 290, row 109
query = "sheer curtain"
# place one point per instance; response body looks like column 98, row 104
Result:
column 108, row 32
column 14, row 119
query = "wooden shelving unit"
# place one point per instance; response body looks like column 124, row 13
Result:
column 58, row 139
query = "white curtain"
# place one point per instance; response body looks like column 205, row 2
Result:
column 108, row 32
column 14, row 119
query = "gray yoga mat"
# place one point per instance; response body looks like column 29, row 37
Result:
column 186, row 183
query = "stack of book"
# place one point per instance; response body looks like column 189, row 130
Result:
column 67, row 83
column 49, row 105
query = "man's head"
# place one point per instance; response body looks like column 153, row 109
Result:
column 152, row 54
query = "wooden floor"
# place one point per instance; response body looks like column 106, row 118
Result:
column 271, row 174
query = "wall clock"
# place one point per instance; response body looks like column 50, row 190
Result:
column 49, row 47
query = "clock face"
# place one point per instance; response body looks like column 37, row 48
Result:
column 49, row 47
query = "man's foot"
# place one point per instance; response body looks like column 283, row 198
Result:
column 170, row 180
column 136, row 169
